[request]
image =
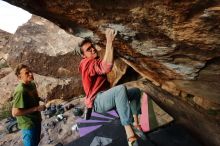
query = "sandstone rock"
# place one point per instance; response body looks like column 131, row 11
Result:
column 206, row 104
column 5, row 71
column 119, row 69
column 207, row 90
column 171, row 88
column 53, row 88
column 7, row 85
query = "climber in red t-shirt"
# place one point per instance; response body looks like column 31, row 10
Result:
column 100, row 97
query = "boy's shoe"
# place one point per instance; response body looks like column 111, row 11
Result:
column 132, row 141
column 88, row 113
column 138, row 131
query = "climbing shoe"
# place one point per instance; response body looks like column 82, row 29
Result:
column 132, row 141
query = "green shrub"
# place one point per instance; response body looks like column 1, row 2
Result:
column 3, row 65
column 5, row 111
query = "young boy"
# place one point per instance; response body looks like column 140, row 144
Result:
column 26, row 106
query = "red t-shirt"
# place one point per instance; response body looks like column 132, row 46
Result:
column 94, row 78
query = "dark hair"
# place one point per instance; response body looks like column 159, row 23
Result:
column 19, row 68
column 86, row 40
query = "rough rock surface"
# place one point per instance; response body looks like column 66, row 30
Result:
column 37, row 43
column 173, row 44
column 7, row 85
column 5, row 71
column 4, row 39
column 48, row 87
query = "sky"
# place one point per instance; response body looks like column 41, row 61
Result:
column 11, row 17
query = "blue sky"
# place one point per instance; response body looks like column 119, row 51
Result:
column 11, row 17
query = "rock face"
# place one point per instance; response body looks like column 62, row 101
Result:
column 4, row 39
column 7, row 85
column 4, row 69
column 173, row 44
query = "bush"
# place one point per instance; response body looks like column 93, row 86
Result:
column 3, row 63
column 5, row 111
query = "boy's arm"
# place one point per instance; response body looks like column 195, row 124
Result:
column 23, row 111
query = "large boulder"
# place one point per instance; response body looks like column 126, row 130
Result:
column 48, row 87
column 46, row 48
column 50, row 52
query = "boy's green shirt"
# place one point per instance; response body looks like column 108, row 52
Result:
column 24, row 97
